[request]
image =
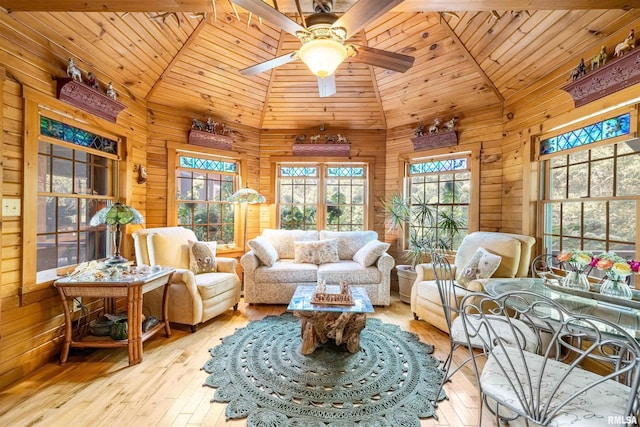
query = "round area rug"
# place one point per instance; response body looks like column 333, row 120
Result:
column 259, row 371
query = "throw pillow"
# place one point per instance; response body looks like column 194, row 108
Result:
column 318, row 252
column 202, row 257
column 471, row 270
column 369, row 253
column 264, row 250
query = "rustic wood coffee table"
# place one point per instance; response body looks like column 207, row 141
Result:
column 320, row 323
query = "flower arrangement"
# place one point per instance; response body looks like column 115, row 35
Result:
column 577, row 259
column 614, row 266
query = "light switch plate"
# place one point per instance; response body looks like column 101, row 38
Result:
column 10, row 207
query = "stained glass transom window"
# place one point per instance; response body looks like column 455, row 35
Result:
column 74, row 135
column 207, row 164
column 298, row 171
column 600, row 131
column 345, row 171
column 438, row 166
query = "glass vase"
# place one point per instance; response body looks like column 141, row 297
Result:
column 616, row 288
column 576, row 280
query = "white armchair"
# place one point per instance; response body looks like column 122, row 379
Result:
column 193, row 298
column 515, row 250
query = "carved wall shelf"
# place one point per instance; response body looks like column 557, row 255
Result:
column 615, row 75
column 82, row 96
column 341, row 150
column 435, row 140
column 208, row 139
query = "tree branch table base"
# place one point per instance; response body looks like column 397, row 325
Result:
column 320, row 323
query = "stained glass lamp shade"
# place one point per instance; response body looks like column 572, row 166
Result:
column 114, row 216
column 246, row 196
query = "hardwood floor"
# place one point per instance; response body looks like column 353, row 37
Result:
column 98, row 388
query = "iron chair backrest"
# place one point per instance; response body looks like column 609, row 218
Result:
column 443, row 275
column 548, row 384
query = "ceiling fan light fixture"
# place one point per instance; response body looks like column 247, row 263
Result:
column 323, row 55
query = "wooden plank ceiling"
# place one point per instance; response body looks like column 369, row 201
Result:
column 178, row 53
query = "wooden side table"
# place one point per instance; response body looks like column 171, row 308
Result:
column 130, row 286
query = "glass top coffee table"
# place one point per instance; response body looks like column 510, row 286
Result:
column 320, row 323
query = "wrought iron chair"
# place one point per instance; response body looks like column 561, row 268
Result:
column 546, row 266
column 451, row 295
column 552, row 386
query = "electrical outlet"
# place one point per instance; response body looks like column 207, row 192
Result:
column 77, row 303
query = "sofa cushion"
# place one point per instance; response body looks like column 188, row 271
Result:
column 264, row 250
column 499, row 244
column 481, row 266
column 349, row 242
column 369, row 253
column 211, row 285
column 354, row 273
column 318, row 252
column 287, row 271
column 282, row 240
column 202, row 257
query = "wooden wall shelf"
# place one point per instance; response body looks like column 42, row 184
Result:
column 82, row 96
column 209, row 139
column 615, row 75
column 337, row 150
column 435, row 140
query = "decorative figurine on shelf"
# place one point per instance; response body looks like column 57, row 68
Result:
column 73, row 71
column 92, row 82
column 600, row 59
column 111, row 92
column 224, row 130
column 344, row 287
column 435, row 127
column 341, row 139
column 211, row 125
column 579, row 71
column 314, row 139
column 419, row 131
column 197, row 125
column 451, row 124
column 627, row 44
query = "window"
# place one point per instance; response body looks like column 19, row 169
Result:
column 75, row 180
column 443, row 187
column 203, row 186
column 591, row 188
column 330, row 196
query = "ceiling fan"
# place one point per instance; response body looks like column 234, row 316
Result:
column 323, row 38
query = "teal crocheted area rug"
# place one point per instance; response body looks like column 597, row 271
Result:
column 261, row 375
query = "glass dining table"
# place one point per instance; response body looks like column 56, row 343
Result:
column 625, row 313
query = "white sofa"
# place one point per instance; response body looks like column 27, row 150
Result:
column 193, row 298
column 514, row 249
column 271, row 273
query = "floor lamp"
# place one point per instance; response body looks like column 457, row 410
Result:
column 246, row 196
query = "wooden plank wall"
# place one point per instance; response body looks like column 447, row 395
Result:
column 32, row 323
column 278, row 143
column 531, row 112
column 483, row 127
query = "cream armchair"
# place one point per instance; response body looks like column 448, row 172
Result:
column 515, row 250
column 193, row 298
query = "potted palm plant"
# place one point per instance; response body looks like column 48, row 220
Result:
column 423, row 238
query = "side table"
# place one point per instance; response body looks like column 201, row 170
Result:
column 130, row 286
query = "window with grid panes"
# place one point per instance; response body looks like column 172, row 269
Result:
column 330, row 196
column 75, row 180
column 203, row 186
column 444, row 185
column 591, row 188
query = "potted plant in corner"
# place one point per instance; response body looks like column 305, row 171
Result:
column 400, row 211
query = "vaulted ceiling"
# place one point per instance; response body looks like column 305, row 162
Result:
column 186, row 55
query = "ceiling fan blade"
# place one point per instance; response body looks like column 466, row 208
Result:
column 363, row 12
column 268, row 65
column 266, row 12
column 327, row 86
column 382, row 58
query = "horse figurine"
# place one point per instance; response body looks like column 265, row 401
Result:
column 73, row 71
column 92, row 81
column 600, row 59
column 626, row 45
column 340, row 139
column 198, row 125
column 111, row 92
column 314, row 139
column 435, row 127
column 419, row 131
column 580, row 70
column 451, row 124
